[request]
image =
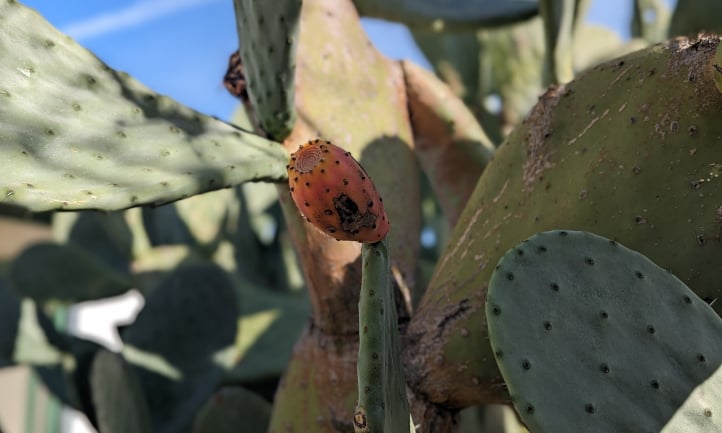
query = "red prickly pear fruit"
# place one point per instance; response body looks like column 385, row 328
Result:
column 335, row 194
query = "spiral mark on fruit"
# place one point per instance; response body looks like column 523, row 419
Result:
column 307, row 158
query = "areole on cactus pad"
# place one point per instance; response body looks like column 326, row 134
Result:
column 335, row 194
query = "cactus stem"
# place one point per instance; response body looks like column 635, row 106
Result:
column 382, row 404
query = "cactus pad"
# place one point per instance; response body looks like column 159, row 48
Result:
column 77, row 134
column 591, row 336
column 629, row 150
column 69, row 274
column 444, row 14
column 117, row 396
column 268, row 35
column 335, row 194
column 232, row 409
column 187, row 321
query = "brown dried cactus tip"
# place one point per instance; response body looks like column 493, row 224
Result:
column 335, row 194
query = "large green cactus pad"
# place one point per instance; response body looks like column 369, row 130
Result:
column 630, row 150
column 268, row 35
column 591, row 336
column 75, row 134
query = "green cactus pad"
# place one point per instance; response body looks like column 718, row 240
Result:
column 270, row 324
column 382, row 404
column 441, row 15
column 177, row 339
column 591, row 336
column 9, row 320
column 69, row 274
column 79, row 135
column 693, row 16
column 233, row 409
column 106, row 235
column 117, row 395
column 630, row 150
column 268, row 35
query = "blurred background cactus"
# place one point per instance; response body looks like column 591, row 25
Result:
column 538, row 140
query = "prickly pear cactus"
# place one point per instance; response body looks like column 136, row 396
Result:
column 268, row 36
column 80, row 135
column 70, row 274
column 591, row 336
column 117, row 395
column 232, row 409
column 334, row 193
column 629, row 150
column 175, row 342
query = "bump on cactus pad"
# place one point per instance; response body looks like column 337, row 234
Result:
column 77, row 134
column 591, row 336
column 335, row 194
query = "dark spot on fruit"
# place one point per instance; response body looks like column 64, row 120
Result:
column 687, row 299
column 345, row 181
column 526, row 365
column 305, row 203
column 651, row 329
column 351, row 218
column 548, row 326
column 554, row 286
column 701, row 358
column 589, row 261
column 337, row 162
column 654, row 384
column 328, row 212
column 589, row 408
column 328, row 190
column 604, row 368
column 295, row 179
column 639, row 275
column 604, row 315
column 510, row 276
column 308, row 183
column 370, row 203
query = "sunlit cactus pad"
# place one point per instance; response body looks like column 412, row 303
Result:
column 591, row 336
column 76, row 134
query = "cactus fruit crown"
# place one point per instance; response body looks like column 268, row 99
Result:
column 335, row 194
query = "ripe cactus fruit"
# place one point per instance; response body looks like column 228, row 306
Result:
column 335, row 194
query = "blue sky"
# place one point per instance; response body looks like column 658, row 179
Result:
column 180, row 47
